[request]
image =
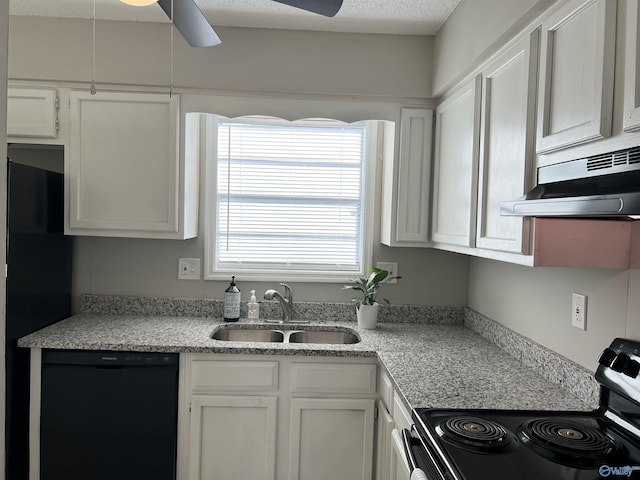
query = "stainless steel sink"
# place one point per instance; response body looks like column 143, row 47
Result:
column 248, row 335
column 323, row 336
column 241, row 333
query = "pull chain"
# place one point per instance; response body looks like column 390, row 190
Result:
column 92, row 89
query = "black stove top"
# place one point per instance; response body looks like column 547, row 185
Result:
column 533, row 444
column 491, row 444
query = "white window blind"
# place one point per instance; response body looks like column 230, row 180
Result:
column 289, row 196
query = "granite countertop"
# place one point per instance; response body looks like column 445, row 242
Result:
column 432, row 365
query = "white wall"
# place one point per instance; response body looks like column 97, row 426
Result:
column 356, row 69
column 473, row 32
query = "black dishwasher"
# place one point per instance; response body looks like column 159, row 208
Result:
column 108, row 415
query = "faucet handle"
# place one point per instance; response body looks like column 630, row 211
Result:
column 288, row 293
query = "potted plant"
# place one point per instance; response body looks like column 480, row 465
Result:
column 367, row 302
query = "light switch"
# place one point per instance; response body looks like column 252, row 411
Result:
column 188, row 269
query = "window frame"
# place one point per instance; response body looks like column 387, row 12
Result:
column 373, row 152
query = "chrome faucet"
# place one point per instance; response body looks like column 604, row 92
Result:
column 286, row 303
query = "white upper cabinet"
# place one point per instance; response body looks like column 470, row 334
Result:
column 124, row 172
column 575, row 100
column 406, row 183
column 32, row 112
column 507, row 142
column 631, row 120
column 456, row 166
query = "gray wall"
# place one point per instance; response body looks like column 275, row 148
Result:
column 473, row 32
column 394, row 70
column 536, row 302
column 256, row 60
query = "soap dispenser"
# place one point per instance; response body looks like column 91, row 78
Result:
column 232, row 302
column 253, row 308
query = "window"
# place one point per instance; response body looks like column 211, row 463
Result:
column 291, row 198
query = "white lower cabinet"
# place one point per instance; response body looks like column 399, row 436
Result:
column 400, row 469
column 393, row 417
column 233, row 437
column 383, row 447
column 269, row 417
column 331, row 438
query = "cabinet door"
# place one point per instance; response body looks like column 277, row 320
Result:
column 632, row 63
column 400, row 469
column 456, row 166
column 507, row 137
column 232, row 437
column 575, row 101
column 331, row 438
column 383, row 447
column 123, row 165
column 407, row 181
column 32, row 112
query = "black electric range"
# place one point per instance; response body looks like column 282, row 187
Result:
column 459, row 444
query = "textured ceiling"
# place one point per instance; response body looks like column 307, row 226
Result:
column 410, row 17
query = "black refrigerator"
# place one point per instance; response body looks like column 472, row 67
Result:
column 39, row 258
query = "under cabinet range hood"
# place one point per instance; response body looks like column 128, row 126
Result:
column 606, row 185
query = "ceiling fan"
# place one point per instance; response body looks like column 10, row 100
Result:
column 197, row 31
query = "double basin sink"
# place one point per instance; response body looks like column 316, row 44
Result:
column 297, row 334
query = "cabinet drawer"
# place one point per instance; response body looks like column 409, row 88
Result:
column 207, row 376
column 337, row 378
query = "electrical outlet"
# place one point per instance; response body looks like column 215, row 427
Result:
column 390, row 267
column 579, row 311
column 188, row 269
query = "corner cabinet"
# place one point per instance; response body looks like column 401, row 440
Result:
column 406, row 188
column 575, row 102
column 507, row 145
column 456, row 166
column 126, row 174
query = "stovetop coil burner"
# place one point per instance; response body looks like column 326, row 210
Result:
column 567, row 441
column 476, row 434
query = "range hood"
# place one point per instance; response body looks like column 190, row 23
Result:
column 606, row 185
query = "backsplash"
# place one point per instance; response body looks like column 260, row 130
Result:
column 552, row 366
column 314, row 311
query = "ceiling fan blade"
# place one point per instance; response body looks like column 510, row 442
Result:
column 328, row 8
column 191, row 23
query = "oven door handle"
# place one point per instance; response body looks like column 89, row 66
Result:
column 412, row 438
column 407, row 442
